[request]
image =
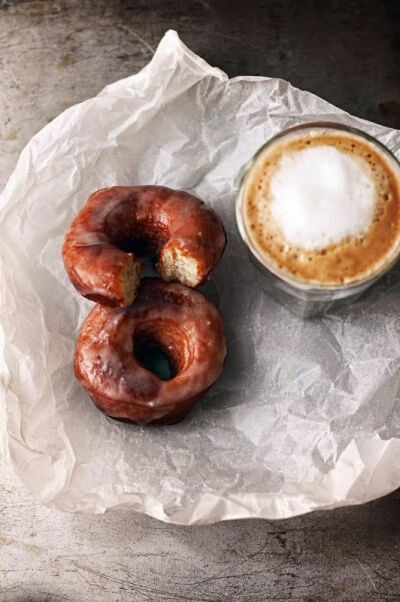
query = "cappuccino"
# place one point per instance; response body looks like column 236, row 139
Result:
column 322, row 206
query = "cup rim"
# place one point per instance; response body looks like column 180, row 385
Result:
column 369, row 279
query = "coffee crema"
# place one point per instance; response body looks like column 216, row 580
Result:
column 322, row 207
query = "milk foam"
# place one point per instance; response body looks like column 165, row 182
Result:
column 320, row 195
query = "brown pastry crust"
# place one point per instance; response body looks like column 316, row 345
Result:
column 182, row 322
column 119, row 224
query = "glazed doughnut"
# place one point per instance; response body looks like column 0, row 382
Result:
column 119, row 223
column 181, row 322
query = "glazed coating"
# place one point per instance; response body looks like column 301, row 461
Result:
column 182, row 322
column 119, row 223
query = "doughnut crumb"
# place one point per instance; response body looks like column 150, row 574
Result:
column 131, row 274
column 174, row 265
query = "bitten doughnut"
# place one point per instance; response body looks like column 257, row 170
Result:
column 119, row 224
column 177, row 319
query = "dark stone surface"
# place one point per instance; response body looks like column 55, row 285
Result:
column 56, row 53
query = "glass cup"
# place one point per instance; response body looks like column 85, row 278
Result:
column 309, row 300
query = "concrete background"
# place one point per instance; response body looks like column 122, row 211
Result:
column 55, row 53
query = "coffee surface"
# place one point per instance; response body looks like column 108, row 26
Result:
column 323, row 207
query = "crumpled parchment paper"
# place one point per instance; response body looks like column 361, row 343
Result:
column 306, row 414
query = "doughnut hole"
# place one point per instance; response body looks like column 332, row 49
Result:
column 142, row 237
column 162, row 348
column 137, row 237
column 134, row 233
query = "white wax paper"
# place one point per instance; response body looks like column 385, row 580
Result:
column 305, row 415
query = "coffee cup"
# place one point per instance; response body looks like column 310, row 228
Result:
column 318, row 209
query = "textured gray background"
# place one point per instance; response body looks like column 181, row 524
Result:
column 56, row 53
